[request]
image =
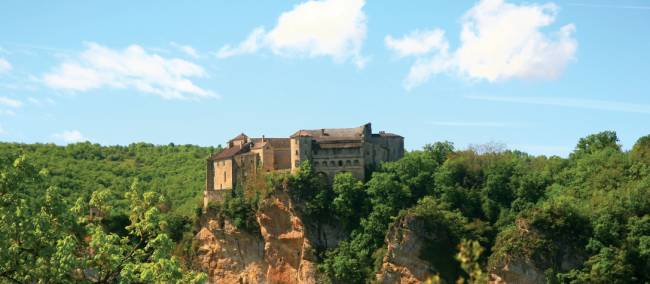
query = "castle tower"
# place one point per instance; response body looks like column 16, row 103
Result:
column 300, row 149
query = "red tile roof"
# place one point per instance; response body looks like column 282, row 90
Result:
column 241, row 136
column 230, row 152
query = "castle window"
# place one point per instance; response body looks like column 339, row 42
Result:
column 224, row 176
column 332, row 163
column 324, row 164
column 340, row 163
column 296, row 152
column 356, row 162
column 348, row 163
column 315, row 163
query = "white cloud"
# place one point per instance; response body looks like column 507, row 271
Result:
column 10, row 102
column 5, row 66
column 70, row 136
column 99, row 66
column 418, row 42
column 334, row 28
column 189, row 50
column 500, row 41
column 250, row 45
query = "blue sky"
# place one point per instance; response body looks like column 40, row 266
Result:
column 534, row 75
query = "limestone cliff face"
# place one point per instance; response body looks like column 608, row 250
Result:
column 229, row 255
column 282, row 252
column 405, row 241
column 522, row 270
column 526, row 262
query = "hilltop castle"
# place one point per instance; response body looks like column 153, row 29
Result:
column 355, row 150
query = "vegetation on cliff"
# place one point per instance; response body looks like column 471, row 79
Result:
column 581, row 219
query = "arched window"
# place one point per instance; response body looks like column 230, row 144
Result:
column 356, row 162
column 340, row 163
column 324, row 164
column 348, row 163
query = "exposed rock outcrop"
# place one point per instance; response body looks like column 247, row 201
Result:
column 229, row 255
column 523, row 254
column 282, row 252
column 402, row 264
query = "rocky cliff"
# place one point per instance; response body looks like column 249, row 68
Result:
column 283, row 251
column 402, row 264
column 523, row 255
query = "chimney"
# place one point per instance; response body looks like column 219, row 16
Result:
column 322, row 131
column 262, row 137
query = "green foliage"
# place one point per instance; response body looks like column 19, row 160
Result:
column 241, row 211
column 585, row 219
column 45, row 239
column 312, row 191
column 445, row 229
column 36, row 229
column 640, row 154
column 469, row 256
column 78, row 170
column 582, row 219
column 440, row 150
column 348, row 263
column 597, row 142
column 350, row 201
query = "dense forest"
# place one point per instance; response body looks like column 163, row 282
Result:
column 135, row 203
column 89, row 213
column 581, row 219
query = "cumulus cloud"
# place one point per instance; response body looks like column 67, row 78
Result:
column 187, row 49
column 334, row 28
column 10, row 102
column 99, row 66
column 251, row 44
column 5, row 66
column 70, row 136
column 498, row 41
column 418, row 42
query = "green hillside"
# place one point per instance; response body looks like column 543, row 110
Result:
column 176, row 171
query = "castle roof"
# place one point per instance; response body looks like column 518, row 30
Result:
column 241, row 136
column 325, row 134
column 231, row 151
column 274, row 142
column 385, row 134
